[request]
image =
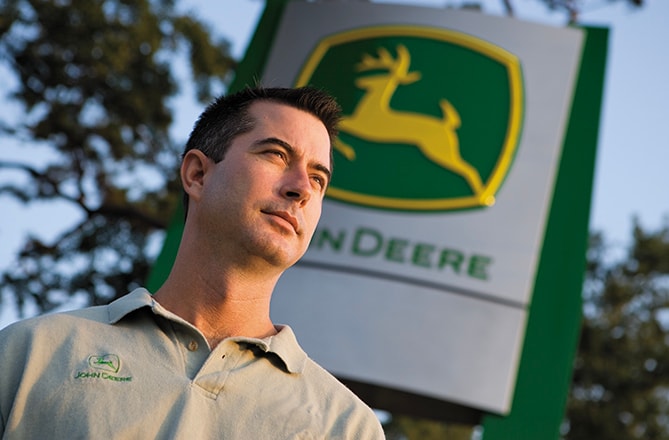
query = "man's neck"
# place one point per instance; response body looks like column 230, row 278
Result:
column 221, row 304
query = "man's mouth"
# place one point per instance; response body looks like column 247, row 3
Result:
column 285, row 215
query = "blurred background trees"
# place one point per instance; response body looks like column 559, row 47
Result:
column 620, row 387
column 94, row 82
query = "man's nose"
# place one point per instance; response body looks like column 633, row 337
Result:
column 298, row 186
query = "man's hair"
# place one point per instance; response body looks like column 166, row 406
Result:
column 228, row 117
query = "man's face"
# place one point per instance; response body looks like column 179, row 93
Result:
column 264, row 199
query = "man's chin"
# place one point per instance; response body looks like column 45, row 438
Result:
column 282, row 259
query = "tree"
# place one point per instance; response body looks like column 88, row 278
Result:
column 573, row 8
column 95, row 79
column 620, row 387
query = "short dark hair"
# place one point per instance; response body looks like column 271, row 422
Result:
column 228, row 117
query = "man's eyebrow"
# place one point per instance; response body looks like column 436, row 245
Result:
column 276, row 141
column 289, row 148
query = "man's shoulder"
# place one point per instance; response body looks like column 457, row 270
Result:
column 53, row 323
column 313, row 375
column 342, row 413
column 75, row 320
column 353, row 414
column 319, row 376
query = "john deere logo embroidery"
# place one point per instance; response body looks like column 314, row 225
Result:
column 432, row 118
column 105, row 366
column 107, row 362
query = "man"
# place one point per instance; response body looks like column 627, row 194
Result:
column 201, row 358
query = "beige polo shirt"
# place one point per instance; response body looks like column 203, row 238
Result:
column 135, row 370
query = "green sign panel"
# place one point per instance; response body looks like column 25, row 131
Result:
column 445, row 105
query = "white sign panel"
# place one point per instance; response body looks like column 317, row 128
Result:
column 420, row 274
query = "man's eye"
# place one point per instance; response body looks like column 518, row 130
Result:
column 320, row 181
column 280, row 154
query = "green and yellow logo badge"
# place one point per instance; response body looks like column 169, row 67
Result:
column 432, row 117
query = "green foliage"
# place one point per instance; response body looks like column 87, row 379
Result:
column 95, row 79
column 620, row 387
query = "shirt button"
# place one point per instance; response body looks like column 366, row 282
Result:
column 192, row 345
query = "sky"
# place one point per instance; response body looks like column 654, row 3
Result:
column 631, row 176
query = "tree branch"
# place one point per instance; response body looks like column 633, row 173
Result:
column 131, row 212
column 42, row 177
column 508, row 7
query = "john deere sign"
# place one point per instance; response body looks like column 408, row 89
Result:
column 432, row 117
column 421, row 272
column 457, row 217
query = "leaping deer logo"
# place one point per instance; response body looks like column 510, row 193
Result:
column 373, row 119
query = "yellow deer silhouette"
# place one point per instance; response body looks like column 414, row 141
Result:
column 374, row 120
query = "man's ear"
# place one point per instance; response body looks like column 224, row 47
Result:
column 193, row 168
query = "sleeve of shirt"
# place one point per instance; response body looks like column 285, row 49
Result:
column 363, row 425
column 369, row 429
column 10, row 361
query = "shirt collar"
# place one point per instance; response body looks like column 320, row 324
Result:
column 283, row 344
column 134, row 300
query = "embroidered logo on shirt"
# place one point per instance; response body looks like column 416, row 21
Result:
column 106, row 362
column 104, row 366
